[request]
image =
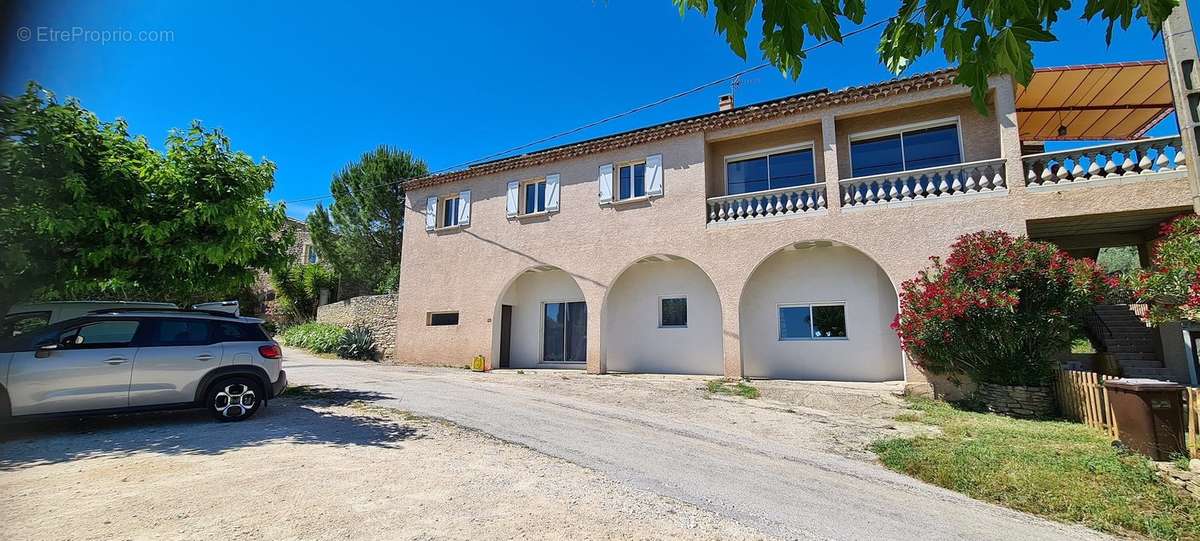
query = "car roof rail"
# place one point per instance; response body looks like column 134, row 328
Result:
column 118, row 310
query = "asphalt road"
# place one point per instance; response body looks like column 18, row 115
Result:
column 778, row 489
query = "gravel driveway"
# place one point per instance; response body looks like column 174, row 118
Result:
column 782, row 469
column 524, row 455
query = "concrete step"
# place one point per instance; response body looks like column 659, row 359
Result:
column 1152, row 373
column 1139, row 364
column 1138, row 356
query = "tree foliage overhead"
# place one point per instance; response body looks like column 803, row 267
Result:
column 360, row 234
column 980, row 37
column 86, row 209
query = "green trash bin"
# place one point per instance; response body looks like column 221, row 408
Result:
column 1149, row 415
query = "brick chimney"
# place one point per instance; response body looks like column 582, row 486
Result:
column 725, row 102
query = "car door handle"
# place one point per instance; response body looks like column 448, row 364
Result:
column 204, row 357
column 115, row 360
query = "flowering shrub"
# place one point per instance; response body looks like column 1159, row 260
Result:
column 1172, row 286
column 998, row 308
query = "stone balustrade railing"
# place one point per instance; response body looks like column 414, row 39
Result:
column 928, row 183
column 778, row 202
column 1119, row 160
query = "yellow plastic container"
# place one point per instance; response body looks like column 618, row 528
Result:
column 478, row 364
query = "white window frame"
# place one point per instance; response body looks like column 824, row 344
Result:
column 812, row 337
column 521, row 197
column 441, row 212
column 767, row 152
column 616, row 182
column 662, row 298
column 542, row 332
column 956, row 121
column 429, row 317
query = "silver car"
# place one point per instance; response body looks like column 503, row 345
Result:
column 141, row 359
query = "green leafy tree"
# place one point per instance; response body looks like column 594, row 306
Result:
column 360, row 234
column 88, row 210
column 980, row 37
column 299, row 288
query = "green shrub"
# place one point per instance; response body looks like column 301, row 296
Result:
column 299, row 288
column 316, row 337
column 357, row 343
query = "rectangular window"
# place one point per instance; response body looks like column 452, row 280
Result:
column 631, row 180
column 812, row 322
column 906, row 150
column 564, row 332
column 102, row 334
column 180, row 332
column 770, row 171
column 441, row 319
column 672, row 312
column 449, row 216
column 534, row 193
column 23, row 322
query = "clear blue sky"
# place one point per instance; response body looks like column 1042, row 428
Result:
column 311, row 87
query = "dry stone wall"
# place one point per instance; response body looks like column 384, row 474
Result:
column 376, row 312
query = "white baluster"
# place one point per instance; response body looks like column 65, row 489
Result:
column 918, row 188
column 942, row 186
column 790, row 205
column 985, row 183
column 893, row 193
column 957, row 185
column 1060, row 173
column 971, row 185
column 1161, row 163
column 1180, row 159
column 1110, row 165
column 1031, row 178
column 1076, row 171
column 905, row 192
column 1127, row 166
column 820, row 200
column 858, row 194
column 1144, row 164
column 998, row 178
column 1093, row 169
column 1046, row 176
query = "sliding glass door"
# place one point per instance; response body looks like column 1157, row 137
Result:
column 564, row 332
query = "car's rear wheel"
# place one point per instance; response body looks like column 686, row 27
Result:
column 234, row 399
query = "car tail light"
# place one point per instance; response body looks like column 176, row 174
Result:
column 271, row 351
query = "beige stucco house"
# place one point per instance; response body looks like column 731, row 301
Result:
column 769, row 240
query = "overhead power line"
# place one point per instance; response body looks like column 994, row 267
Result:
column 610, row 118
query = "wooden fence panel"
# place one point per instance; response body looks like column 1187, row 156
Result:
column 1082, row 397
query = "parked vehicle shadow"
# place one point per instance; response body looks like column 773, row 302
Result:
column 288, row 419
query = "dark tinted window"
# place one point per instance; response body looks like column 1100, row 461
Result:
column 674, row 312
column 180, row 332
column 17, row 324
column 100, row 334
column 931, row 147
column 876, row 156
column 443, row 318
column 747, row 176
column 792, row 169
column 239, row 332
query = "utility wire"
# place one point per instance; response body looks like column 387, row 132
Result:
column 611, row 118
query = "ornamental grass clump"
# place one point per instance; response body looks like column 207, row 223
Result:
column 997, row 309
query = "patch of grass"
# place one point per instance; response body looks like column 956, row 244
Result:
column 908, row 417
column 1063, row 471
column 741, row 388
column 1082, row 345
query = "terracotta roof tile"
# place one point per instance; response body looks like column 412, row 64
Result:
column 717, row 120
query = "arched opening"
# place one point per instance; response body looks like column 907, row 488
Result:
column 662, row 315
column 819, row 310
column 540, row 322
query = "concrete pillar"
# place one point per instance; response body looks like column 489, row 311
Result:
column 1010, row 136
column 731, row 299
column 833, row 193
column 593, row 294
column 1184, row 65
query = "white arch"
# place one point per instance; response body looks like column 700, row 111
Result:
column 526, row 292
column 634, row 339
column 817, row 273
